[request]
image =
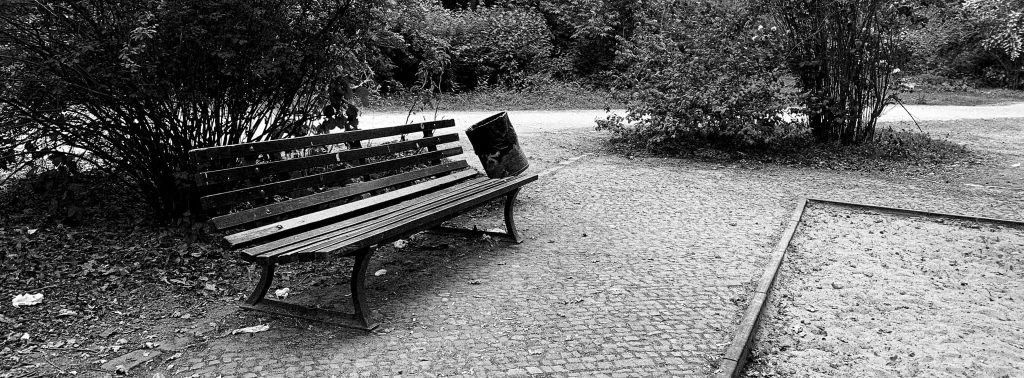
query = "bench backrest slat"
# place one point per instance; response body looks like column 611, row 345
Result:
column 235, row 151
column 332, row 195
column 253, row 184
column 249, row 172
column 325, row 179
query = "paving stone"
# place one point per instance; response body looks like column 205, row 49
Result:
column 130, row 360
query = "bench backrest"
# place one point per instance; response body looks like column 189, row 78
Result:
column 244, row 185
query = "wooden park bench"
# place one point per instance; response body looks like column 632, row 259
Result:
column 303, row 199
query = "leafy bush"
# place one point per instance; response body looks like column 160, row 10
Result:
column 133, row 85
column 701, row 72
column 846, row 56
column 464, row 49
column 982, row 40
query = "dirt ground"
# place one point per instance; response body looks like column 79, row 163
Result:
column 863, row 294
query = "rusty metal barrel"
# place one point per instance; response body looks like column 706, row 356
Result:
column 496, row 144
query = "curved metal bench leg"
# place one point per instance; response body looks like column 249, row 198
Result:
column 357, row 285
column 510, row 222
column 266, row 279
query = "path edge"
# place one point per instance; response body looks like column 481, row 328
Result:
column 735, row 358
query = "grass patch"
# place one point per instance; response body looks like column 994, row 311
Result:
column 546, row 95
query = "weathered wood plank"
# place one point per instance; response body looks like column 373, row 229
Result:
column 291, row 225
column 383, row 231
column 316, row 235
column 235, row 151
column 329, row 178
column 305, row 202
column 289, row 165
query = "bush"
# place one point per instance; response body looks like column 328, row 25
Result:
column 133, row 85
column 701, row 72
column 462, row 50
column 978, row 40
column 846, row 56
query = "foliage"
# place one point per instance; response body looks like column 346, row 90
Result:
column 846, row 56
column 131, row 86
column 977, row 39
column 1000, row 26
column 700, row 71
column 464, row 49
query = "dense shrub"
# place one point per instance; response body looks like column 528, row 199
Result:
column 846, row 56
column 702, row 72
column 981, row 40
column 133, row 85
column 464, row 49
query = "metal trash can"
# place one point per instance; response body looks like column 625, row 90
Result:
column 495, row 143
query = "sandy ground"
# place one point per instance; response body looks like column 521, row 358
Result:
column 863, row 294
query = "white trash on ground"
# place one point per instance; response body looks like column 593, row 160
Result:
column 27, row 300
column 400, row 243
column 253, row 329
column 380, row 272
column 282, row 293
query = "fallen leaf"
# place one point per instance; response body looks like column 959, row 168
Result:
column 253, row 329
column 27, row 300
column 282, row 293
column 65, row 312
column 400, row 243
column 380, row 272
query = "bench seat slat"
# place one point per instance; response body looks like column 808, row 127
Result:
column 290, row 225
column 396, row 226
column 289, row 165
column 397, row 215
column 235, row 151
column 321, row 179
column 316, row 235
column 305, row 202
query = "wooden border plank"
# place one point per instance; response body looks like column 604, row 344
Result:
column 735, row 358
column 736, row 355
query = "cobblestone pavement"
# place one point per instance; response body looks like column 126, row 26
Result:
column 630, row 268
